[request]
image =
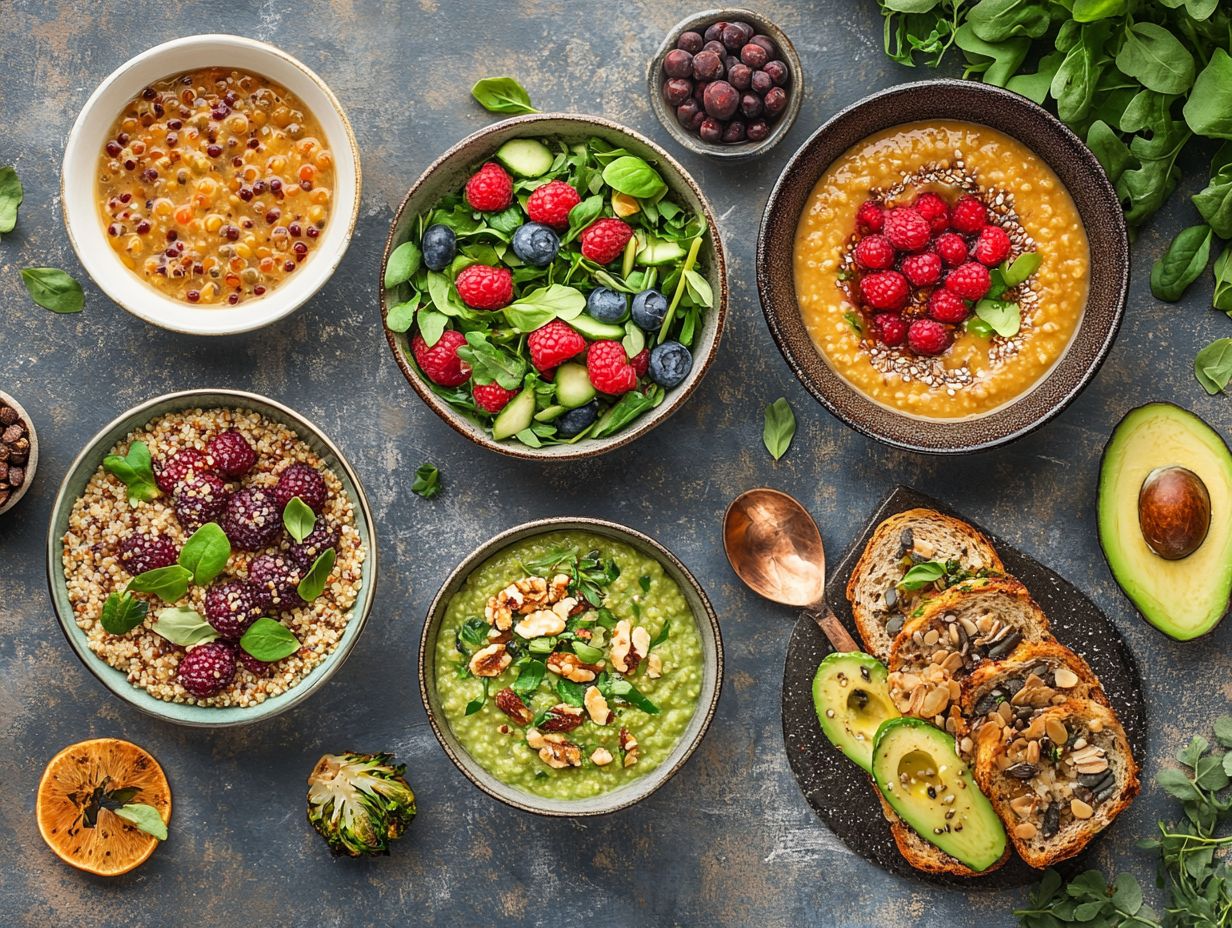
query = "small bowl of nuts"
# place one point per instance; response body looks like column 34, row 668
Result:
column 18, row 452
column 726, row 83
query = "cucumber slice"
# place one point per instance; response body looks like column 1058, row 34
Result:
column 517, row 415
column 657, row 252
column 592, row 328
column 573, row 386
column 525, row 157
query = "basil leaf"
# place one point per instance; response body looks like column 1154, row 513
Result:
column 569, row 692
column 664, row 633
column 183, row 626
column 1213, row 366
column 633, row 696
column 1002, row 316
column 207, row 551
column 427, row 482
column 541, row 306
column 11, row 196
column 502, row 95
column 530, row 677
column 403, row 262
column 135, row 470
column 634, row 177
column 268, row 640
column 922, row 575
column 1020, row 269
column 644, row 583
column 624, row 411
column 53, row 289
column 144, row 818
column 779, row 428
column 167, row 583
column 583, row 215
column 1182, row 264
column 1156, row 58
column 476, row 704
column 431, row 325
column 298, row 518
column 313, row 584
column 1208, row 111
column 587, row 653
column 122, row 612
column 401, row 315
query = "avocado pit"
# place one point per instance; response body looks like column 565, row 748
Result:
column 1174, row 512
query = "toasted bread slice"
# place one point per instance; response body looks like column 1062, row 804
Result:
column 1055, row 794
column 923, row 854
column 915, row 535
column 999, row 699
column 955, row 632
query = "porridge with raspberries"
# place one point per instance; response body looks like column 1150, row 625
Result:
column 941, row 268
column 213, row 558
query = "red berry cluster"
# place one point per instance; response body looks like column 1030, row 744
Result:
column 921, row 267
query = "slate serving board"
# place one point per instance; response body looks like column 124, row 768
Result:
column 842, row 795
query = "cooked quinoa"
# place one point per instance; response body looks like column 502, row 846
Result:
column 102, row 516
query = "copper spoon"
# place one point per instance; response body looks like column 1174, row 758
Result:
column 774, row 546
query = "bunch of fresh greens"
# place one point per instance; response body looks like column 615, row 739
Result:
column 1192, row 865
column 1138, row 79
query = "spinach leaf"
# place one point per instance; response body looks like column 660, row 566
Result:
column 427, row 482
column 583, row 215
column 994, row 62
column 634, row 177
column 1214, row 203
column 502, row 95
column 298, row 519
column 1223, row 281
column 779, row 428
column 570, row 692
column 1213, row 365
column 53, row 289
column 1088, row 11
column 1208, row 111
column 11, row 195
column 269, row 640
column 541, row 306
column 1003, row 316
column 476, row 704
column 167, row 583
column 207, row 550
column 1156, row 58
column 998, row 20
column 122, row 612
column 624, row 411
column 431, row 325
column 183, row 626
column 401, row 315
column 403, row 262
column 922, row 575
column 490, row 363
column 474, row 631
column 1018, row 270
column 313, row 583
column 1182, row 264
column 529, row 677
column 1113, row 154
column 135, row 470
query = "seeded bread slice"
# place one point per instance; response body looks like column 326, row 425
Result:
column 933, row 536
column 1055, row 796
column 955, row 632
column 923, row 854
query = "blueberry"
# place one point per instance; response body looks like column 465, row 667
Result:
column 536, row 244
column 649, row 308
column 439, row 246
column 607, row 305
column 575, row 420
column 670, row 363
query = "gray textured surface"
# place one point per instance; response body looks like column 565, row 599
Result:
column 730, row 841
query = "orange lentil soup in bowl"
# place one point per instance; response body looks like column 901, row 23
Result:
column 215, row 185
column 941, row 268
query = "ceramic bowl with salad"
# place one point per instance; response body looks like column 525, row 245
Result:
column 554, row 286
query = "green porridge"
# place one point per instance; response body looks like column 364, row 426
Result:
column 568, row 665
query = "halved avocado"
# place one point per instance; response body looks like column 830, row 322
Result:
column 852, row 698
column 1184, row 597
column 918, row 771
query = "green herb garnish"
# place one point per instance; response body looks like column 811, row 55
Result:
column 313, row 583
column 476, row 704
column 10, row 198
column 183, row 626
column 135, row 470
column 207, row 551
column 298, row 518
column 529, row 678
column 779, row 428
column 144, row 818
column 269, row 640
column 502, row 95
column 122, row 612
column 167, row 583
column 427, row 482
column 53, row 289
column 1213, row 365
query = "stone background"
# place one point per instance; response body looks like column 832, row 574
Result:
column 730, row 840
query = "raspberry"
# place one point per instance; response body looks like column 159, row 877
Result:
column 874, row 252
column 884, row 290
column 207, row 669
column 992, row 247
column 641, row 362
column 491, row 397
column 198, row 499
column 951, row 247
column 141, row 552
column 906, row 229
column 169, row 474
column 490, row 189
column 970, row 281
column 441, row 363
column 934, row 210
column 609, row 368
column 233, row 605
column 968, row 215
column 251, row 520
column 275, row 577
column 604, row 240
column 230, row 454
column 927, row 336
column 323, row 535
column 890, row 329
column 947, row 306
column 551, row 203
column 553, row 344
column 484, row 287
column 923, row 270
column 252, row 665
column 870, row 217
column 304, row 481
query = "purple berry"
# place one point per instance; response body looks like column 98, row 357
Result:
column 721, row 100
column 775, row 102
column 761, row 82
column 199, row 499
column 711, row 130
column 734, row 132
column 170, row 473
column 778, row 72
column 252, row 665
column 717, row 48
column 740, row 76
column 276, row 576
column 207, row 669
column 140, row 552
column 766, row 43
column 304, row 481
column 676, row 90
column 231, row 454
column 750, row 106
column 323, row 535
column 690, row 42
column 754, row 56
column 685, row 112
column 736, row 34
column 232, row 605
column 757, row 130
column 252, row 521
column 715, row 31
column 707, row 66
column 678, row 63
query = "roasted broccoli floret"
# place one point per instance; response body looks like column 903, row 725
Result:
column 359, row 802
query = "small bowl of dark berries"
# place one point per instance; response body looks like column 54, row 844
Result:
column 18, row 452
column 726, row 83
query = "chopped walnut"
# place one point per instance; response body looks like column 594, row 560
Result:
column 563, row 717
column 628, row 744
column 541, row 624
column 512, row 705
column 522, row 596
column 554, row 750
column 601, row 757
column 571, row 667
column 596, row 706
column 621, row 646
column 654, row 666
column 490, row 661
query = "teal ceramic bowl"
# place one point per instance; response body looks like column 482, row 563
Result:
column 89, row 460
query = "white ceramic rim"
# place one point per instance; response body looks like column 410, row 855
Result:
column 85, row 140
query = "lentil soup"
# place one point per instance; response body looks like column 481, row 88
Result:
column 214, row 185
column 558, row 696
column 971, row 370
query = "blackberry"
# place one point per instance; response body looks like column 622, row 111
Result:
column 169, row 473
column 303, row 481
column 198, row 499
column 139, row 553
column 206, row 669
column 323, row 535
column 251, row 664
column 276, row 576
column 231, row 454
column 232, row 605
column 251, row 521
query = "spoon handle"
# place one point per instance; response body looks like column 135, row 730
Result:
column 828, row 622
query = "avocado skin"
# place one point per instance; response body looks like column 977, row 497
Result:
column 1126, row 573
column 835, row 728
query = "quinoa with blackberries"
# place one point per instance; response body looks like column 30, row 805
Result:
column 110, row 534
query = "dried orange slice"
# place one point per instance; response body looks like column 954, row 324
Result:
column 77, row 796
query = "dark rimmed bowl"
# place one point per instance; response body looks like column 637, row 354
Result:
column 449, row 172
column 1080, row 172
column 79, row 474
column 740, row 151
column 631, row 793
column 31, row 465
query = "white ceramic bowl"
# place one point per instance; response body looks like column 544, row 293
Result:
column 85, row 227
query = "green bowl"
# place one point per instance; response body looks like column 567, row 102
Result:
column 74, row 484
